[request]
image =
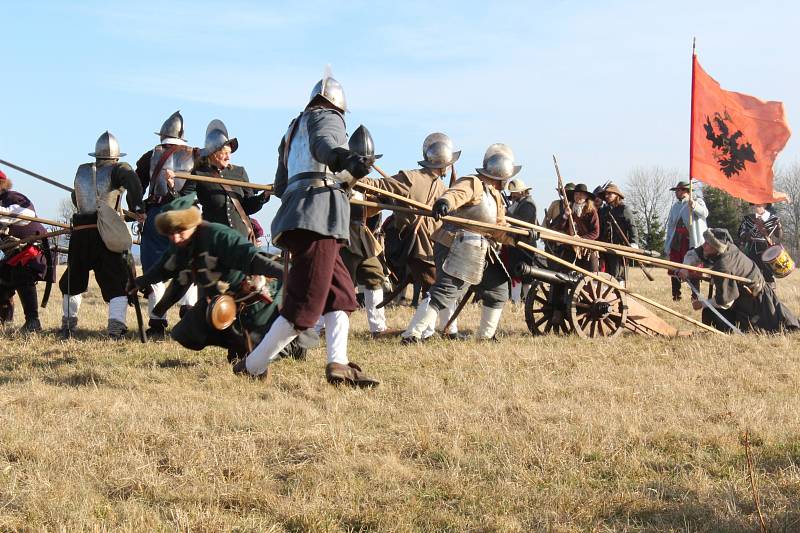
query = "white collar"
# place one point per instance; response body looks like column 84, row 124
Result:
column 764, row 216
column 173, row 140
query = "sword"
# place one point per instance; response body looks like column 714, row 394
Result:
column 467, row 295
column 133, row 297
column 711, row 307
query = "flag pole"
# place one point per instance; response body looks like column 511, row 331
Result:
column 691, row 131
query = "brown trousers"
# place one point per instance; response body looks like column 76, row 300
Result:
column 318, row 281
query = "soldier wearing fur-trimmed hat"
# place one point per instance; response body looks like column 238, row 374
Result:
column 100, row 185
column 234, row 308
column 465, row 257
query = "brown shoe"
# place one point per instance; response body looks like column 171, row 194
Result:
column 349, row 374
column 240, row 369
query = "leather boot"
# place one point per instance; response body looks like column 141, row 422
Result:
column 349, row 374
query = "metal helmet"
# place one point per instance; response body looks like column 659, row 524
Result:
column 331, row 90
column 498, row 163
column 517, row 185
column 362, row 144
column 217, row 137
column 107, row 147
column 172, row 127
column 437, row 151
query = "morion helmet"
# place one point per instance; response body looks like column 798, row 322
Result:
column 217, row 137
column 107, row 147
column 172, row 127
column 437, row 151
column 498, row 163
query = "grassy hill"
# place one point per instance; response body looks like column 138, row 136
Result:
column 529, row 434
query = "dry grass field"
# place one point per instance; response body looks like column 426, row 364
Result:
column 530, row 434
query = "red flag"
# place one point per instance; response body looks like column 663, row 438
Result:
column 735, row 139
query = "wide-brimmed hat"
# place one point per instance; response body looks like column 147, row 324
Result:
column 613, row 188
column 517, row 185
column 179, row 215
column 681, row 185
column 581, row 187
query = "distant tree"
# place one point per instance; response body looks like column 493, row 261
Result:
column 724, row 211
column 788, row 180
column 648, row 195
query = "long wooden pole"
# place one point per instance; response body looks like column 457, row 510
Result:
column 223, row 181
column 691, row 129
column 526, row 246
column 33, row 238
column 40, row 220
column 37, row 176
column 613, row 283
column 564, row 239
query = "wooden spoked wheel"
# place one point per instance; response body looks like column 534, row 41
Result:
column 597, row 309
column 546, row 309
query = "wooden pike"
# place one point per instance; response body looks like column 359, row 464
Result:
column 617, row 286
column 45, row 221
column 33, row 238
column 223, row 181
column 553, row 236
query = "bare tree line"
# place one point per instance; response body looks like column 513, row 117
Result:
column 787, row 179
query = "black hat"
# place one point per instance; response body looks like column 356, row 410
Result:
column 581, row 187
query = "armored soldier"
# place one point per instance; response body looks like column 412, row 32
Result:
column 312, row 224
column 413, row 258
column 224, row 204
column 101, row 182
column 173, row 154
column 21, row 267
column 465, row 257
column 617, row 227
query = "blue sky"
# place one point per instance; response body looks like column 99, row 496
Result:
column 604, row 85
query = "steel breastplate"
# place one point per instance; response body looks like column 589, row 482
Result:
column 299, row 159
column 92, row 185
column 486, row 211
column 182, row 160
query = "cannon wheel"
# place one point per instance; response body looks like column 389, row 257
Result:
column 541, row 316
column 597, row 309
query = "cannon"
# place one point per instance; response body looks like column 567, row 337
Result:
column 566, row 303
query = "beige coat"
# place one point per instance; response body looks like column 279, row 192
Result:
column 469, row 191
column 422, row 186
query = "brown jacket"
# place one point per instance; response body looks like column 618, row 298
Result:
column 587, row 225
column 422, row 186
column 469, row 191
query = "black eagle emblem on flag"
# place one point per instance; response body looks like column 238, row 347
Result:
column 731, row 151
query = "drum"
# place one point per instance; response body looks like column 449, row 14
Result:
column 778, row 260
column 221, row 311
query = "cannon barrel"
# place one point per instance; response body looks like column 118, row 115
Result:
column 529, row 273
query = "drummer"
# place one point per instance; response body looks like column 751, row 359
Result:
column 758, row 231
